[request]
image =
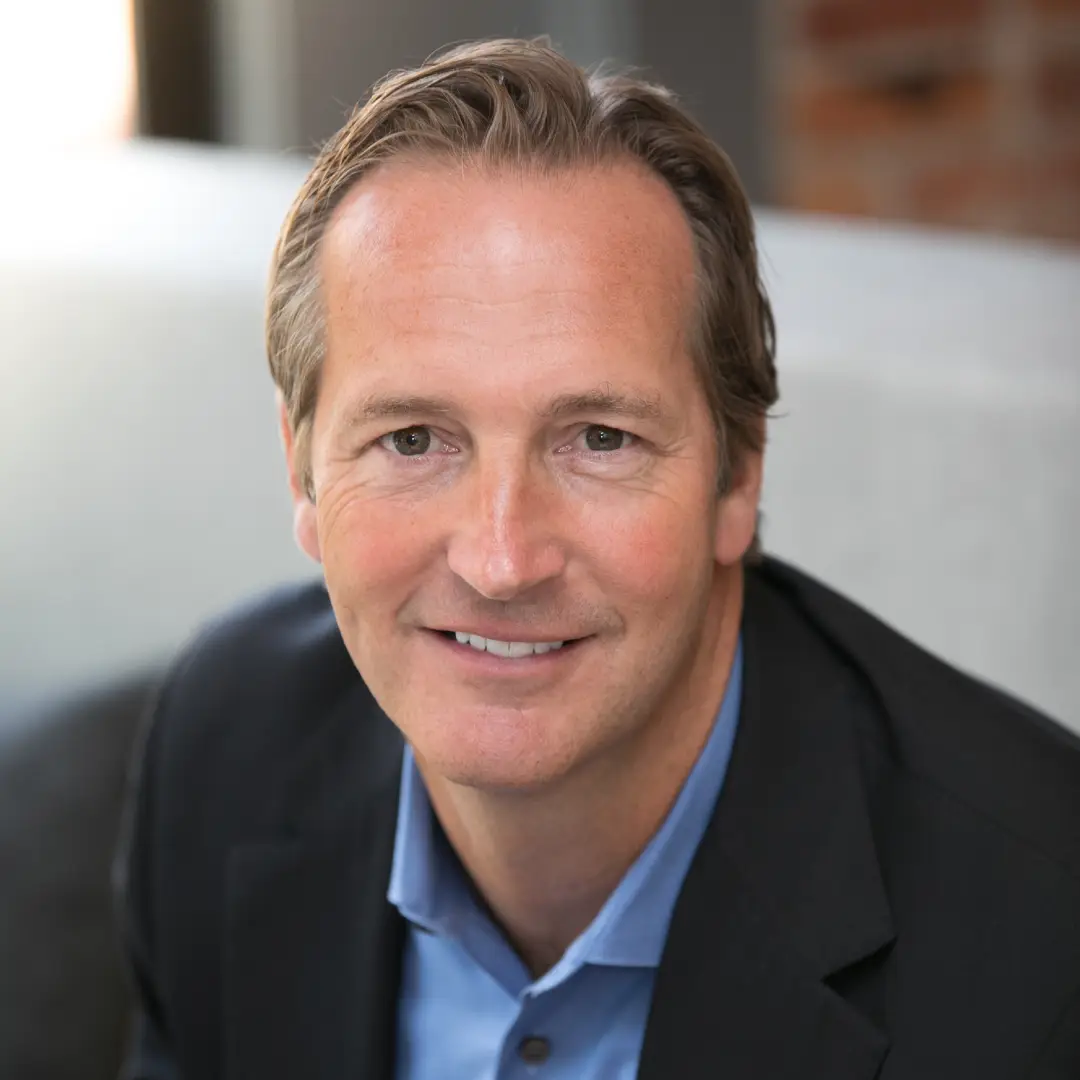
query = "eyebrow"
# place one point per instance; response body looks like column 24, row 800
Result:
column 601, row 400
column 381, row 407
column 632, row 405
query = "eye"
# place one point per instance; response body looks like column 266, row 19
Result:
column 602, row 439
column 408, row 442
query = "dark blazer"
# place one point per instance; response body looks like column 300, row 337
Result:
column 889, row 886
column 64, row 1002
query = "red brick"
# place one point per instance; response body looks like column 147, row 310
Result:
column 1036, row 196
column 970, row 191
column 837, row 22
column 818, row 191
column 897, row 106
column 1058, row 85
column 1063, row 170
column 1054, row 221
column 1056, row 7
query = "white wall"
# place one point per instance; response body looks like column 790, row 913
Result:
column 927, row 453
column 141, row 486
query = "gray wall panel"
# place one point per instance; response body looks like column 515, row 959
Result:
column 292, row 69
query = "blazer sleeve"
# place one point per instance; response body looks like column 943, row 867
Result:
column 1060, row 1057
column 150, row 1056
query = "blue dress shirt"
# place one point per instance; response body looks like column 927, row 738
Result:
column 469, row 1008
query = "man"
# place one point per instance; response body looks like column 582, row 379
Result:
column 554, row 775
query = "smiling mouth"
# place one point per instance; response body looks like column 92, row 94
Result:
column 509, row 650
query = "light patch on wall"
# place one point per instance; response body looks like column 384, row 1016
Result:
column 67, row 74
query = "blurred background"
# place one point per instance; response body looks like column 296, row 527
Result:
column 915, row 165
column 954, row 112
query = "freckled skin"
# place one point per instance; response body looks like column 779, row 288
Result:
column 494, row 293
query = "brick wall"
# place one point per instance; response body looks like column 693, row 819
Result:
column 957, row 112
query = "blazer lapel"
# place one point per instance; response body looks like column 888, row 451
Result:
column 314, row 948
column 785, row 890
column 741, row 1003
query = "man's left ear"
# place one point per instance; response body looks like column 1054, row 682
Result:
column 305, row 522
column 737, row 511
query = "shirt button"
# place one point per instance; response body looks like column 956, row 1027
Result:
column 534, row 1050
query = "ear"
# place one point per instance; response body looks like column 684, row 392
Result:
column 305, row 521
column 737, row 511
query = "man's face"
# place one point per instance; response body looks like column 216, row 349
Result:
column 510, row 442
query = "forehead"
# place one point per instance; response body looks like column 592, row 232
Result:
column 607, row 241
column 501, row 295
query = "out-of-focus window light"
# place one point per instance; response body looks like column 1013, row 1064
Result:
column 67, row 73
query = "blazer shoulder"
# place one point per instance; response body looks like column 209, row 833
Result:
column 252, row 689
column 1006, row 761
column 279, row 649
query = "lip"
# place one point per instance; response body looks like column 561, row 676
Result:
column 497, row 633
column 473, row 661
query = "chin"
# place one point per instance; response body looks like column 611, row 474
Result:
column 492, row 749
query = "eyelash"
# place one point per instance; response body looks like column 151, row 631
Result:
column 598, row 455
column 383, row 440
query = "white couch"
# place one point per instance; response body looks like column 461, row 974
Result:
column 924, row 459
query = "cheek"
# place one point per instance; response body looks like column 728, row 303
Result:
column 656, row 556
column 370, row 547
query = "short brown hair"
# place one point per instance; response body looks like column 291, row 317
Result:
column 522, row 104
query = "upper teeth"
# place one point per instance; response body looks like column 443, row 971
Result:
column 512, row 649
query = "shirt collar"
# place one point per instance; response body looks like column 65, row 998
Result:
column 427, row 886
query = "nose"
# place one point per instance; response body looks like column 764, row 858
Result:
column 505, row 540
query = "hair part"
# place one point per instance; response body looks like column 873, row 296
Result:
column 522, row 105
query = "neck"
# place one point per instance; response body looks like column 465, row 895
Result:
column 545, row 861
